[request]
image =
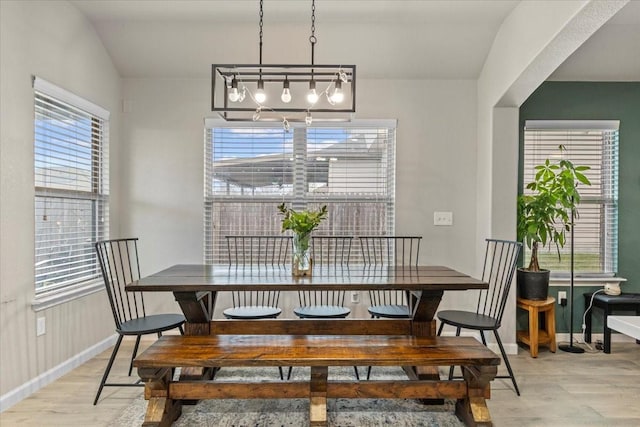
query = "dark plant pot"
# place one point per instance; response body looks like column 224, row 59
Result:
column 533, row 285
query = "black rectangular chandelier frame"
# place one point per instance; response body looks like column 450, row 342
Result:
column 248, row 76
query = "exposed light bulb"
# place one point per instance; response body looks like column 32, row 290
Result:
column 312, row 96
column 286, row 96
column 256, row 115
column 234, row 96
column 260, row 96
column 286, row 125
column 308, row 120
column 343, row 75
column 337, row 96
column 286, row 93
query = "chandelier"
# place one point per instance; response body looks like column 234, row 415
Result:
column 284, row 92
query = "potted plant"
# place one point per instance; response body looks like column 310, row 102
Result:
column 302, row 223
column 544, row 217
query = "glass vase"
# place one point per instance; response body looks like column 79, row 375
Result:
column 301, row 255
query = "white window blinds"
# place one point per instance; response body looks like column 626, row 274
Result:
column 71, row 187
column 587, row 143
column 250, row 170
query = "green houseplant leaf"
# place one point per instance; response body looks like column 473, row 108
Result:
column 544, row 215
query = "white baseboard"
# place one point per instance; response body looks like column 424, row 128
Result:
column 577, row 337
column 16, row 395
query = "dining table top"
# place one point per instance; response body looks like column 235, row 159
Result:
column 217, row 277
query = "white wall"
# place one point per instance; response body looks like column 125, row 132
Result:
column 436, row 159
column 54, row 41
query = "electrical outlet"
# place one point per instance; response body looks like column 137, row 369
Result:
column 443, row 218
column 355, row 297
column 41, row 326
column 562, row 298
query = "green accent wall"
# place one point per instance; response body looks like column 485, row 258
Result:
column 598, row 101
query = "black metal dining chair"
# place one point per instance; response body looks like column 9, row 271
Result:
column 501, row 257
column 384, row 251
column 325, row 251
column 256, row 251
column 334, row 251
column 119, row 265
column 403, row 251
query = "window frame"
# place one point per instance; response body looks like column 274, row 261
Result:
column 96, row 193
column 605, row 202
column 300, row 196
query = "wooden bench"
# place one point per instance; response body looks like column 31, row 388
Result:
column 155, row 366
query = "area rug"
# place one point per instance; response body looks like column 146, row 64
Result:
column 295, row 412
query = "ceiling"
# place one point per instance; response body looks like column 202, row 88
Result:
column 407, row 39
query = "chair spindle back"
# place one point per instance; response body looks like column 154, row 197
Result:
column 500, row 261
column 258, row 250
column 331, row 250
column 327, row 251
column 390, row 250
column 119, row 265
column 403, row 251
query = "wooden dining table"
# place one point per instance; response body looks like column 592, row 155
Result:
column 196, row 288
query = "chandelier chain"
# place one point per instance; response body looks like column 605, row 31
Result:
column 313, row 38
column 251, row 80
column 261, row 18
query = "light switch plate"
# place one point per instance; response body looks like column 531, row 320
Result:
column 41, row 326
column 443, row 218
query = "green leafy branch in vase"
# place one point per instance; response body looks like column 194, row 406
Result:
column 302, row 223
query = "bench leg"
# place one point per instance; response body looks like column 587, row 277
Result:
column 318, row 396
column 472, row 410
column 161, row 410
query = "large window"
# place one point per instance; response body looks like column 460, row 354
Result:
column 593, row 144
column 249, row 170
column 71, row 186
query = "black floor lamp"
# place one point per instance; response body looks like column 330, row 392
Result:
column 571, row 348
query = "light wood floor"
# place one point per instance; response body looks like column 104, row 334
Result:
column 560, row 389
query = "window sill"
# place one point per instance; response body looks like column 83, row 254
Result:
column 61, row 296
column 585, row 281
